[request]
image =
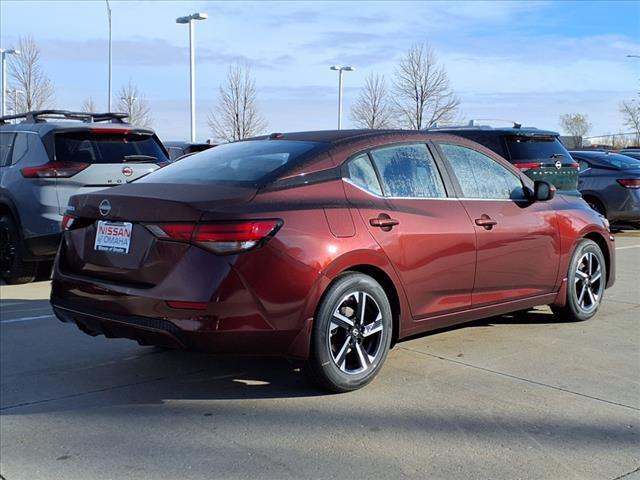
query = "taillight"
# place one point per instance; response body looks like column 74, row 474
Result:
column 572, row 164
column 221, row 238
column 54, row 170
column 629, row 182
column 527, row 165
column 180, row 305
column 67, row 221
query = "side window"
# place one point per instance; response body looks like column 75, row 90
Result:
column 582, row 165
column 6, row 142
column 20, row 147
column 408, row 171
column 480, row 176
column 361, row 173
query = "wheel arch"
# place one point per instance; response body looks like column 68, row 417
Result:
column 604, row 247
column 390, row 290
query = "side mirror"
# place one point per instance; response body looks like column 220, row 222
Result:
column 543, row 191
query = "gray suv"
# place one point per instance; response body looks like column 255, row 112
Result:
column 46, row 158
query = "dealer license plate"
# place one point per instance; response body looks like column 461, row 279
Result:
column 113, row 237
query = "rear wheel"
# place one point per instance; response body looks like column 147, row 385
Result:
column 351, row 334
column 585, row 283
column 13, row 268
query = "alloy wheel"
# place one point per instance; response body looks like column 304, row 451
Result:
column 7, row 249
column 588, row 284
column 356, row 333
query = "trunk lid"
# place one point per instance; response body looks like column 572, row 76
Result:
column 133, row 208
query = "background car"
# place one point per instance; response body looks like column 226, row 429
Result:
column 610, row 184
column 538, row 153
column 49, row 156
column 632, row 152
column 180, row 149
column 326, row 247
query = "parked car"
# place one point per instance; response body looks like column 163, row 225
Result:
column 610, row 184
column 327, row 247
column 538, row 153
column 633, row 153
column 180, row 149
column 49, row 156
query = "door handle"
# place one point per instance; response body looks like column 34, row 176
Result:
column 486, row 222
column 386, row 223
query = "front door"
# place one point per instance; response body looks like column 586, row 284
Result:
column 518, row 242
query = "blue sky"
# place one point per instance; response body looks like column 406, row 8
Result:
column 526, row 61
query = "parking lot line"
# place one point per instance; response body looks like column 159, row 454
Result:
column 26, row 319
column 628, row 246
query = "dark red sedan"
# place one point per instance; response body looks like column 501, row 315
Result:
column 326, row 246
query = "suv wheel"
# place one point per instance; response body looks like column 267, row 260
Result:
column 585, row 283
column 13, row 268
column 351, row 333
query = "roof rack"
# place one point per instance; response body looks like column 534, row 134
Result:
column 39, row 116
column 475, row 124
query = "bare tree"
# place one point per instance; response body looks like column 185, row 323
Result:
column 236, row 116
column 577, row 125
column 373, row 108
column 132, row 102
column 422, row 94
column 631, row 118
column 89, row 105
column 26, row 76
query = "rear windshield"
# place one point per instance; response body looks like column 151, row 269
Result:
column 92, row 147
column 619, row 161
column 250, row 162
column 523, row 147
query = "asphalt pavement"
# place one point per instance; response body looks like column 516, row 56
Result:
column 510, row 397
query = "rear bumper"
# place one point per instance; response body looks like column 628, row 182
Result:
column 170, row 333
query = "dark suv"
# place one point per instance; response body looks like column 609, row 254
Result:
column 50, row 156
column 538, row 153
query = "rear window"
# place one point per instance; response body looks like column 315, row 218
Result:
column 522, row 147
column 620, row 161
column 92, row 147
column 250, row 162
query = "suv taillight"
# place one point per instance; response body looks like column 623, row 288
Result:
column 524, row 166
column 67, row 221
column 54, row 170
column 221, row 238
column 629, row 182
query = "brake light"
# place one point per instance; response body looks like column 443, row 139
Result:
column 180, row 305
column 527, row 165
column 572, row 164
column 67, row 221
column 54, row 170
column 629, row 182
column 221, row 238
column 110, row 130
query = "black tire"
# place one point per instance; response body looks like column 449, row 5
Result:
column 13, row 269
column 347, row 352
column 585, row 283
column 596, row 205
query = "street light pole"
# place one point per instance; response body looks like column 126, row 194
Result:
column 3, row 53
column 340, row 69
column 190, row 19
column 110, row 57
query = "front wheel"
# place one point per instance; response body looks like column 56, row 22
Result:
column 586, row 280
column 351, row 333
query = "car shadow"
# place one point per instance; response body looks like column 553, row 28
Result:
column 98, row 371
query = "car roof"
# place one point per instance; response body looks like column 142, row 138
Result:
column 337, row 137
column 597, row 154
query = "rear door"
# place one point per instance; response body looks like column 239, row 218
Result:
column 427, row 236
column 518, row 241
column 109, row 157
